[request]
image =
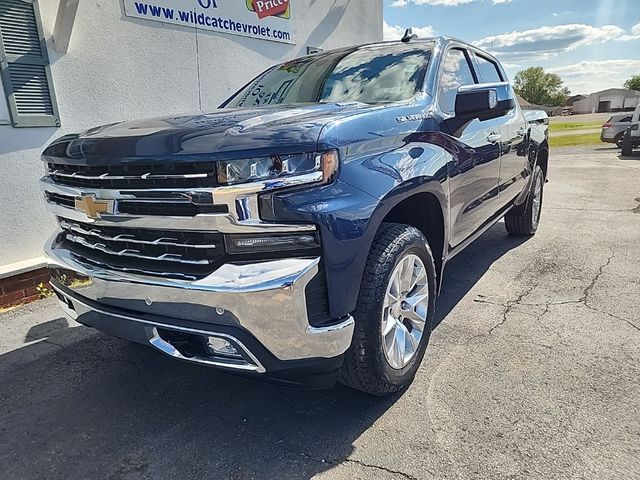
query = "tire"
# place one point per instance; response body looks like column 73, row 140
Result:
column 524, row 220
column 374, row 364
column 619, row 140
column 627, row 147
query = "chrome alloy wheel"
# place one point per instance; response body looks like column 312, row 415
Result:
column 536, row 201
column 404, row 313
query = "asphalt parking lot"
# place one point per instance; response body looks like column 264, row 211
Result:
column 533, row 372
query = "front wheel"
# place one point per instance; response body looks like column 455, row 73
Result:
column 524, row 219
column 394, row 312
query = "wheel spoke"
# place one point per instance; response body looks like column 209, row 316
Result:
column 412, row 344
column 405, row 308
column 388, row 326
column 400, row 344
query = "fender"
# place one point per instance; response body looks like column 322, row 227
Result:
column 349, row 211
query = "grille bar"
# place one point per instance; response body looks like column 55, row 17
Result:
column 162, row 206
column 131, row 176
column 129, row 252
column 139, row 271
column 107, row 176
column 131, row 238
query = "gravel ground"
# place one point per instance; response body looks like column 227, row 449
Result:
column 533, row 372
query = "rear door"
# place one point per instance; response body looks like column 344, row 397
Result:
column 513, row 130
column 475, row 168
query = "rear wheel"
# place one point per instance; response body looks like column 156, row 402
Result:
column 619, row 140
column 524, row 219
column 627, row 147
column 394, row 313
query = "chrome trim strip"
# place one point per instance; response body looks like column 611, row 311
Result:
column 241, row 201
column 265, row 298
column 131, row 253
column 91, row 263
column 146, row 176
column 129, row 238
column 152, row 334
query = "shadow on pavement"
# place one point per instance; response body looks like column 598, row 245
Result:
column 98, row 407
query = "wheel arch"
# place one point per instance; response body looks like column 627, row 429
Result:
column 426, row 210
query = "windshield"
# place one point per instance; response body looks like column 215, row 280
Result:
column 389, row 73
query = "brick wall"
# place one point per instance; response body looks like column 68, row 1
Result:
column 23, row 287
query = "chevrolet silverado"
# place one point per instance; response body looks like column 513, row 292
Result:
column 300, row 232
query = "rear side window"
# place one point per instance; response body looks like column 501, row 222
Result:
column 625, row 119
column 488, row 71
column 456, row 72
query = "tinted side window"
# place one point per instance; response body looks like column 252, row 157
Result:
column 625, row 119
column 456, row 72
column 488, row 70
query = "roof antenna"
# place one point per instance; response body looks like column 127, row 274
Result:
column 408, row 36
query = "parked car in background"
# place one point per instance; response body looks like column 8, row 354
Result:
column 300, row 232
column 614, row 128
column 631, row 137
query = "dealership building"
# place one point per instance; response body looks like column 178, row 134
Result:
column 71, row 65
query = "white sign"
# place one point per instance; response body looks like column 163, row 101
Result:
column 264, row 19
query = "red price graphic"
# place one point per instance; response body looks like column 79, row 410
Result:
column 269, row 8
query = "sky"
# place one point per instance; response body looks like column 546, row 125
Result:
column 592, row 44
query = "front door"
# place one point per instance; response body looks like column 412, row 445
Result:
column 475, row 168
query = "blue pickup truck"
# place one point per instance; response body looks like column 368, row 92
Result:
column 300, row 232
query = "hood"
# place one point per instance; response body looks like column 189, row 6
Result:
column 224, row 134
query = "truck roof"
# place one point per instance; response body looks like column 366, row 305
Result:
column 441, row 41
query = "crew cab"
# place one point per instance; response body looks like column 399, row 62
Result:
column 300, row 232
column 631, row 137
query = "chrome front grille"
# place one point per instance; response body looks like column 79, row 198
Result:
column 159, row 175
column 179, row 254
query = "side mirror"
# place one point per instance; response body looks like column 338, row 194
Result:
column 484, row 101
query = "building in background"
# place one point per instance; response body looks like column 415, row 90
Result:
column 611, row 100
column 71, row 65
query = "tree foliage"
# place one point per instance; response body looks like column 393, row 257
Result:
column 633, row 83
column 540, row 88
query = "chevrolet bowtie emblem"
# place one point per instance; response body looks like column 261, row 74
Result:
column 92, row 207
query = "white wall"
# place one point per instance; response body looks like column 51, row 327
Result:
column 119, row 68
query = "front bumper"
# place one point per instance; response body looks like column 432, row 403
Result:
column 260, row 308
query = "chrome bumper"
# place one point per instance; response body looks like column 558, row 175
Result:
column 267, row 299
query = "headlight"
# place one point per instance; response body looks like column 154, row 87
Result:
column 231, row 172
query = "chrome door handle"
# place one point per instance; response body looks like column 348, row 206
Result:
column 494, row 137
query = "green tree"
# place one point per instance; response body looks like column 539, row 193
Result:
column 633, row 83
column 541, row 88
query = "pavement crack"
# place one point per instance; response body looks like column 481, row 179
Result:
column 378, row 467
column 633, row 325
column 507, row 307
column 589, row 288
column 576, row 209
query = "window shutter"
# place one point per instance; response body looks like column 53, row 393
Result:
column 24, row 66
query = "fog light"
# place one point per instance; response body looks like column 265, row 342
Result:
column 220, row 347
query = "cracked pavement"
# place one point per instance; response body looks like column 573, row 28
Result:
column 533, row 372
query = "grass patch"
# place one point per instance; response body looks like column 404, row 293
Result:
column 574, row 140
column 568, row 126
